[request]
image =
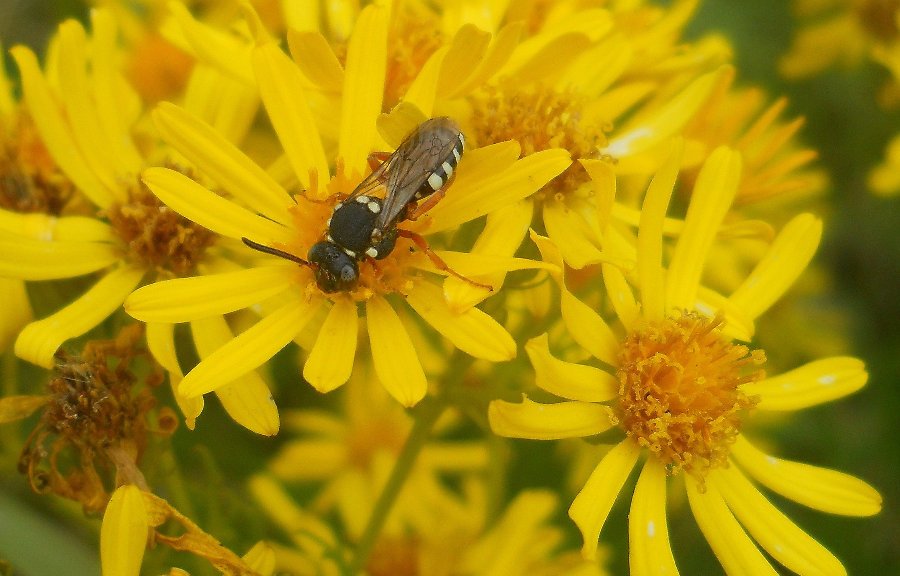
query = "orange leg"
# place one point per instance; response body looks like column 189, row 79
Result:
column 422, row 244
column 376, row 159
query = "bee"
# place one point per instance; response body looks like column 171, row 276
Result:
column 364, row 226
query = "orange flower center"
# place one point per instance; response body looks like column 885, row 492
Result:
column 679, row 391
column 156, row 236
column 311, row 213
column 539, row 119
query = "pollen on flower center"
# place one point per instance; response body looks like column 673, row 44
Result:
column 679, row 391
column 539, row 119
column 157, row 237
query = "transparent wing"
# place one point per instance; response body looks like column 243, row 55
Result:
column 377, row 178
column 412, row 163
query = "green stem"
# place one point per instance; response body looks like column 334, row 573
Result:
column 427, row 414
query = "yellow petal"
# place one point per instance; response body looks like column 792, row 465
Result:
column 423, row 89
column 46, row 227
column 393, row 354
column 810, row 385
column 593, row 503
column 819, row 488
column 54, row 130
column 544, row 65
column 731, row 545
column 466, row 52
column 14, row 408
column 209, row 151
column 568, row 380
column 712, row 196
column 28, row 259
column 210, row 210
column 649, row 549
column 161, row 342
column 498, row 54
column 472, row 331
column 647, row 131
column 475, row 193
column 621, row 296
column 186, row 299
column 603, row 182
column 250, row 349
column 247, row 399
column 588, row 329
column 548, row 421
column 569, row 231
column 331, row 360
column 310, row 460
column 39, row 340
column 81, row 112
column 600, row 66
column 316, row 60
column 281, row 88
column 260, row 559
column 109, row 89
column 229, row 106
column 585, row 326
column 501, row 236
column 399, row 122
column 123, row 535
column 651, row 277
column 774, row 531
column 219, row 49
column 363, row 87
column 18, row 311
column 785, row 260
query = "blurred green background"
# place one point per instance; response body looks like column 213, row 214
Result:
column 861, row 248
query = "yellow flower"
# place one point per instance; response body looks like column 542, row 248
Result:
column 884, row 179
column 92, row 125
column 262, row 210
column 842, row 33
column 775, row 166
column 681, row 390
column 352, row 456
column 546, row 76
column 521, row 540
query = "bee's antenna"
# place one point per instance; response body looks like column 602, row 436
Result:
column 274, row 251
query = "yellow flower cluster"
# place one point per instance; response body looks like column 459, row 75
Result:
column 243, row 179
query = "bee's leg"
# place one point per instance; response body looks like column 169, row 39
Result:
column 376, row 159
column 422, row 244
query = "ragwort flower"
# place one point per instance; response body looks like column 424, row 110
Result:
column 680, row 388
column 456, row 538
column 352, row 456
column 262, row 210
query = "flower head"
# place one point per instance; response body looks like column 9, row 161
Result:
column 486, row 179
column 681, row 390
